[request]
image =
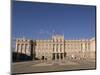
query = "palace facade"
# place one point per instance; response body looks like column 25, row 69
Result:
column 57, row 48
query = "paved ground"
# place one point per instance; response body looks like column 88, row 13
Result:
column 41, row 66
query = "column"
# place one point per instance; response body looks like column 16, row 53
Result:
column 59, row 56
column 82, row 50
column 89, row 49
column 28, row 49
column 55, row 48
column 59, row 48
column 17, row 48
column 63, row 55
column 86, row 50
column 55, row 56
column 23, row 48
column 20, row 48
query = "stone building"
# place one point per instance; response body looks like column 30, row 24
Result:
column 56, row 48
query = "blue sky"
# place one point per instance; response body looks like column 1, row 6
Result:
column 35, row 20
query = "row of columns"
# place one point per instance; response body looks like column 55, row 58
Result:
column 85, row 47
column 23, row 48
column 58, row 56
column 58, row 48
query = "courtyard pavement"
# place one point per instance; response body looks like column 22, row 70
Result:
column 48, row 66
